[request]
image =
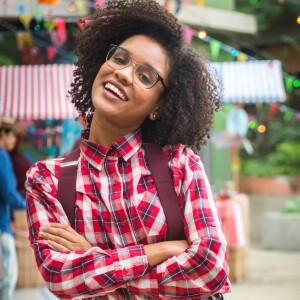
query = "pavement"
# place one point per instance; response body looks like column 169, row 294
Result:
column 273, row 275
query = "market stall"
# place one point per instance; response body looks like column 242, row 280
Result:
column 36, row 92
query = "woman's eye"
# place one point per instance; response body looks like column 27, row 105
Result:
column 144, row 78
column 120, row 60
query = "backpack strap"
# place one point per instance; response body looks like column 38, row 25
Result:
column 66, row 188
column 161, row 176
column 166, row 192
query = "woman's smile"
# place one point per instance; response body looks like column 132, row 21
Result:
column 114, row 91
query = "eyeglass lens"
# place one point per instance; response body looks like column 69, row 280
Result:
column 118, row 58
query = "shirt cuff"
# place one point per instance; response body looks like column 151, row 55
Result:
column 130, row 262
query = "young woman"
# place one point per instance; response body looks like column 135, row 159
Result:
column 136, row 82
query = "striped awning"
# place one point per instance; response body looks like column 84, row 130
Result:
column 39, row 92
column 257, row 81
column 36, row 92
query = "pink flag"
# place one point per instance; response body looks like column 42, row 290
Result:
column 51, row 51
column 61, row 29
column 188, row 34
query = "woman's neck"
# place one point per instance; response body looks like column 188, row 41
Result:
column 105, row 134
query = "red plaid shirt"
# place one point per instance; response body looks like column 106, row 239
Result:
column 118, row 211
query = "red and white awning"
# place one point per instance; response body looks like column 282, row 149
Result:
column 39, row 92
column 36, row 92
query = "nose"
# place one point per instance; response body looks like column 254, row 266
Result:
column 126, row 74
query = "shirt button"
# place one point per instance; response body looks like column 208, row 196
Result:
column 213, row 224
column 125, row 272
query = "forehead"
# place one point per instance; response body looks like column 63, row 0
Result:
column 144, row 49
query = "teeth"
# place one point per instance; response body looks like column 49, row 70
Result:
column 113, row 88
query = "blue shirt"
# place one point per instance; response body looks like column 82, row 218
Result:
column 9, row 197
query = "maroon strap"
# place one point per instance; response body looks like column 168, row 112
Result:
column 161, row 176
column 66, row 189
column 166, row 192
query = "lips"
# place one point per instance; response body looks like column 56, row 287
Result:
column 116, row 90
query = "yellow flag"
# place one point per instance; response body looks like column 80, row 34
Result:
column 25, row 20
column 242, row 57
column 49, row 25
column 23, row 38
column 81, row 7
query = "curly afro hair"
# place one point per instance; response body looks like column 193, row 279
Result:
column 191, row 98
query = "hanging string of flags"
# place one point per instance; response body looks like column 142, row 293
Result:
column 58, row 35
column 291, row 82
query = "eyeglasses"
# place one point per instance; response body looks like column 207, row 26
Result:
column 145, row 76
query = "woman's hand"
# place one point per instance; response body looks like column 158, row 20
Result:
column 159, row 252
column 62, row 238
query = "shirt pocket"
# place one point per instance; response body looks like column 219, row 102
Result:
column 150, row 213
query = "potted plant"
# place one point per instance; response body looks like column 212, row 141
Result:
column 278, row 173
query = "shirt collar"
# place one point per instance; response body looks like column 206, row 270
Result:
column 126, row 146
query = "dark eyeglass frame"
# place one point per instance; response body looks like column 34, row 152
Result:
column 159, row 78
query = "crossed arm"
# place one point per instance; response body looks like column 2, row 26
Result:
column 63, row 238
column 73, row 268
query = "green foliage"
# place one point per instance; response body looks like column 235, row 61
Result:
column 285, row 160
column 265, row 11
column 292, row 206
column 6, row 61
column 277, row 151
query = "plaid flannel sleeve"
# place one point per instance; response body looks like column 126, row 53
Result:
column 202, row 269
column 74, row 273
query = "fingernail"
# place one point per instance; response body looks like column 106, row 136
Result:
column 42, row 228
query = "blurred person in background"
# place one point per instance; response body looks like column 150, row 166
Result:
column 10, row 199
column 19, row 160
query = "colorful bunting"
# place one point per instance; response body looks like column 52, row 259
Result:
column 242, row 57
column 273, row 109
column 188, row 34
column 21, row 8
column 289, row 83
column 60, row 24
column 25, row 20
column 49, row 25
column 37, row 14
column 215, row 47
column 51, row 51
column 23, row 39
column 81, row 7
column 55, row 39
column 288, row 115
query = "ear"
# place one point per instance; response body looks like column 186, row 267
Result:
column 155, row 113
